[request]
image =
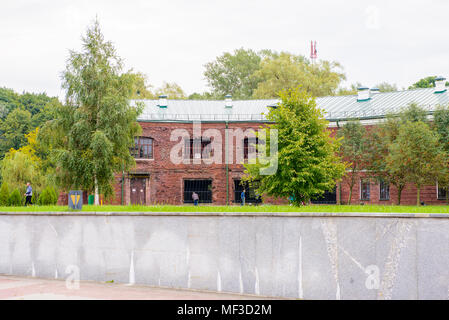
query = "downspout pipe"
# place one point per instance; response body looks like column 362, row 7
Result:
column 226, row 164
column 123, row 181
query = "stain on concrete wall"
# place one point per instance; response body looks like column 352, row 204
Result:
column 302, row 256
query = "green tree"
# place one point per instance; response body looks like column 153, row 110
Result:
column 427, row 82
column 9, row 100
column 386, row 87
column 308, row 164
column 202, row 96
column 379, row 140
column 171, row 90
column 232, row 73
column 290, row 71
column 48, row 197
column 417, row 153
column 352, row 90
column 141, row 89
column 15, row 199
column 4, row 194
column 413, row 113
column 98, row 123
column 353, row 150
column 13, row 130
column 33, row 102
column 18, row 168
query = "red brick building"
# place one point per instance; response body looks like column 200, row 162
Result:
column 157, row 179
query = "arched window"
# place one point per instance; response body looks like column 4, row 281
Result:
column 143, row 148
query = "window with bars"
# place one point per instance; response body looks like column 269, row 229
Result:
column 384, row 192
column 250, row 193
column 329, row 197
column 442, row 193
column 202, row 187
column 365, row 189
column 143, row 148
column 200, row 148
column 249, row 147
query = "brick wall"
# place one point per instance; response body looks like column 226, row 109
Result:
column 165, row 180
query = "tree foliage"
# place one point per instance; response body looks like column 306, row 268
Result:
column 4, row 194
column 171, row 90
column 15, row 199
column 417, row 153
column 353, row 150
column 97, row 121
column 13, row 129
column 48, row 197
column 308, row 164
column 232, row 73
column 427, row 82
column 290, row 71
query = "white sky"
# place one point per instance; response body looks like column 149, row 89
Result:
column 375, row 41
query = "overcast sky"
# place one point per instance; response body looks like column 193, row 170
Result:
column 375, row 41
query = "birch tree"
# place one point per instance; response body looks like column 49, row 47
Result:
column 97, row 121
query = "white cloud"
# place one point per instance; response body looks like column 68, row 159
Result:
column 172, row 40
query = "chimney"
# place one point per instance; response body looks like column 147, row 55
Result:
column 374, row 91
column 228, row 101
column 363, row 94
column 163, row 101
column 440, row 85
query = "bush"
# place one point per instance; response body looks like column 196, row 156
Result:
column 48, row 197
column 15, row 199
column 4, row 195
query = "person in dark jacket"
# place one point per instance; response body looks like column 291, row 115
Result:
column 28, row 194
column 243, row 196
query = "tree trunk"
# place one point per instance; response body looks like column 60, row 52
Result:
column 399, row 195
column 97, row 195
column 418, row 191
column 350, row 194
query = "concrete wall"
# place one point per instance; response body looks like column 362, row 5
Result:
column 311, row 256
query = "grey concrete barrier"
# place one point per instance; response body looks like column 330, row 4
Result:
column 293, row 255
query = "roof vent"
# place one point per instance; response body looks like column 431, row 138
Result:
column 363, row 94
column 374, row 91
column 440, row 85
column 162, row 101
column 228, row 101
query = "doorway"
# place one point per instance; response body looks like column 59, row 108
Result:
column 138, row 191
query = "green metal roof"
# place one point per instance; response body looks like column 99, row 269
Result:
column 335, row 107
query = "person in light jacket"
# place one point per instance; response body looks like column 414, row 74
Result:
column 195, row 198
column 28, row 194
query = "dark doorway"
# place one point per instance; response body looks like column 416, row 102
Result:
column 326, row 198
column 202, row 187
column 138, row 190
column 250, row 194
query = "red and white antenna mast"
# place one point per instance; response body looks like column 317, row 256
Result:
column 313, row 52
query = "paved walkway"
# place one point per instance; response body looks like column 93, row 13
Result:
column 26, row 288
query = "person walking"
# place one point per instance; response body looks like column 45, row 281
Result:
column 195, row 198
column 28, row 194
column 242, row 196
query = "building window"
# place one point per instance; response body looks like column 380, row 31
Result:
column 250, row 193
column 364, row 190
column 329, row 197
column 249, row 147
column 202, row 187
column 442, row 193
column 200, row 148
column 384, row 192
column 143, row 148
